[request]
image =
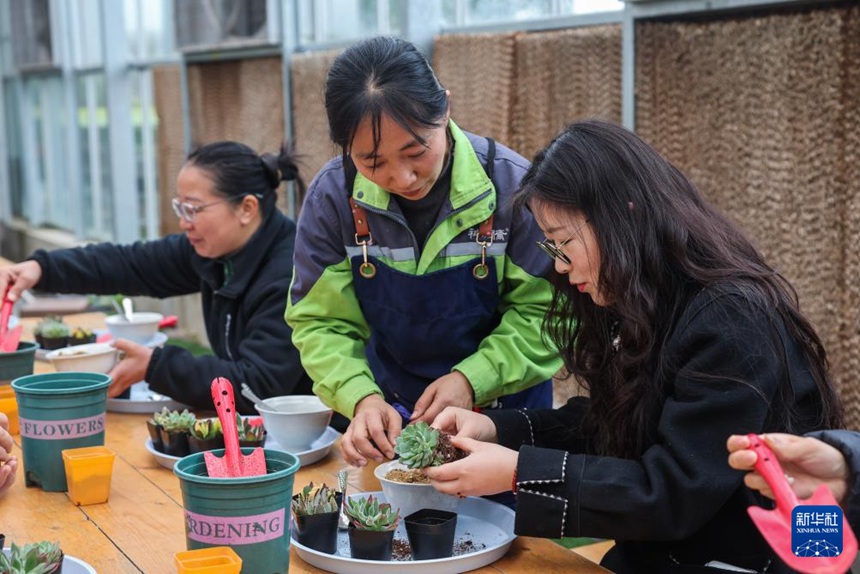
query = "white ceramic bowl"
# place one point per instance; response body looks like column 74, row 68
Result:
column 295, row 421
column 409, row 497
column 91, row 358
column 141, row 329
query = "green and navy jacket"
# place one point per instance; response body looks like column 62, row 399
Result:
column 396, row 333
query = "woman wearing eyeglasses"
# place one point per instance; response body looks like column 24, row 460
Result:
column 680, row 333
column 415, row 285
column 236, row 249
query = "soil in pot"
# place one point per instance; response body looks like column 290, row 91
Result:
column 431, row 533
column 370, row 544
column 407, row 476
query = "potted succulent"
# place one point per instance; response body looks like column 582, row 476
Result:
column 51, row 333
column 205, row 435
column 37, row 558
column 316, row 511
column 371, row 528
column 251, row 431
column 81, row 336
column 420, row 446
column 153, row 425
column 431, row 533
column 174, row 429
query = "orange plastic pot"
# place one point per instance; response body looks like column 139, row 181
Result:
column 212, row 560
column 9, row 407
column 88, row 474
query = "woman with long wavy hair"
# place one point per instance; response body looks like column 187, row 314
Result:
column 682, row 335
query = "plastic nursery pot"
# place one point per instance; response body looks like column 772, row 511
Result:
column 88, row 474
column 155, row 435
column 248, row 513
column 431, row 533
column 52, row 343
column 9, row 407
column 318, row 531
column 58, row 411
column 174, row 443
column 199, row 444
column 370, row 544
column 17, row 363
column 214, row 560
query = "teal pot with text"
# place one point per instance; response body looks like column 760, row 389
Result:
column 17, row 363
column 58, row 411
column 250, row 514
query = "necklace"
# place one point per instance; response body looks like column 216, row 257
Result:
column 615, row 335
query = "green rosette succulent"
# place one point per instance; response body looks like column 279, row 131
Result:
column 417, row 446
column 369, row 514
column 314, row 500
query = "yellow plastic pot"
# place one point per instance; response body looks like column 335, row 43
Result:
column 88, row 474
column 212, row 560
column 9, row 407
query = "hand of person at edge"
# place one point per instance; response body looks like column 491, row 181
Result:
column 372, row 431
column 466, row 423
column 488, row 469
column 131, row 369
column 19, row 277
column 8, row 463
column 808, row 462
column 451, row 390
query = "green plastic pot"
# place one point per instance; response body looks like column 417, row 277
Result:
column 58, row 411
column 250, row 514
column 17, row 363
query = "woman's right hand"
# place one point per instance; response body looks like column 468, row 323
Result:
column 372, row 431
column 466, row 423
column 19, row 277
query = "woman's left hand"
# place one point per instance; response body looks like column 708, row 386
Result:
column 489, row 469
column 452, row 390
column 131, row 369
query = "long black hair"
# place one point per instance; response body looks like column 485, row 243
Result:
column 381, row 76
column 659, row 242
column 237, row 170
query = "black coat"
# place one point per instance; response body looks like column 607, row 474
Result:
column 679, row 501
column 244, row 297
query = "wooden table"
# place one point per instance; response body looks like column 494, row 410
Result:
column 142, row 526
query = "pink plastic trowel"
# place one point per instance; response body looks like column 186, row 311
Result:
column 234, row 463
column 775, row 525
column 8, row 339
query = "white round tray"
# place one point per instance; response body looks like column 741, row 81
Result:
column 482, row 521
column 143, row 401
column 318, row 451
column 71, row 565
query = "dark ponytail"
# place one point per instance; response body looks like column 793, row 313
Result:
column 236, row 171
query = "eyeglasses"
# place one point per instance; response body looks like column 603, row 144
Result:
column 554, row 251
column 188, row 211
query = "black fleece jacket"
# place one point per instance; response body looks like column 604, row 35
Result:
column 244, row 297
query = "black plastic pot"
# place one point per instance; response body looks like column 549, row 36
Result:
column 174, row 443
column 199, row 444
column 370, row 544
column 155, row 435
column 253, row 443
column 431, row 533
column 2, row 541
column 318, row 531
column 52, row 343
column 82, row 340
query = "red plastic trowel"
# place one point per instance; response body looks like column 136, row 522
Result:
column 234, row 463
column 775, row 525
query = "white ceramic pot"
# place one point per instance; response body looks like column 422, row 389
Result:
column 410, row 497
column 295, row 421
column 141, row 329
column 91, row 358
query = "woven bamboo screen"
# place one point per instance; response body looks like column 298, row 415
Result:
column 763, row 112
column 308, row 72
column 564, row 76
column 169, row 135
column 478, row 70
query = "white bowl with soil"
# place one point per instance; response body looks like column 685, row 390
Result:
column 409, row 490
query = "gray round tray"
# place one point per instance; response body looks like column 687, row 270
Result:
column 489, row 525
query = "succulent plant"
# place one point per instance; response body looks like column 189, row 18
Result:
column 206, row 429
column 314, row 500
column 159, row 417
column 369, row 514
column 81, row 334
column 420, row 446
column 249, row 431
column 37, row 558
column 52, row 327
column 176, row 422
